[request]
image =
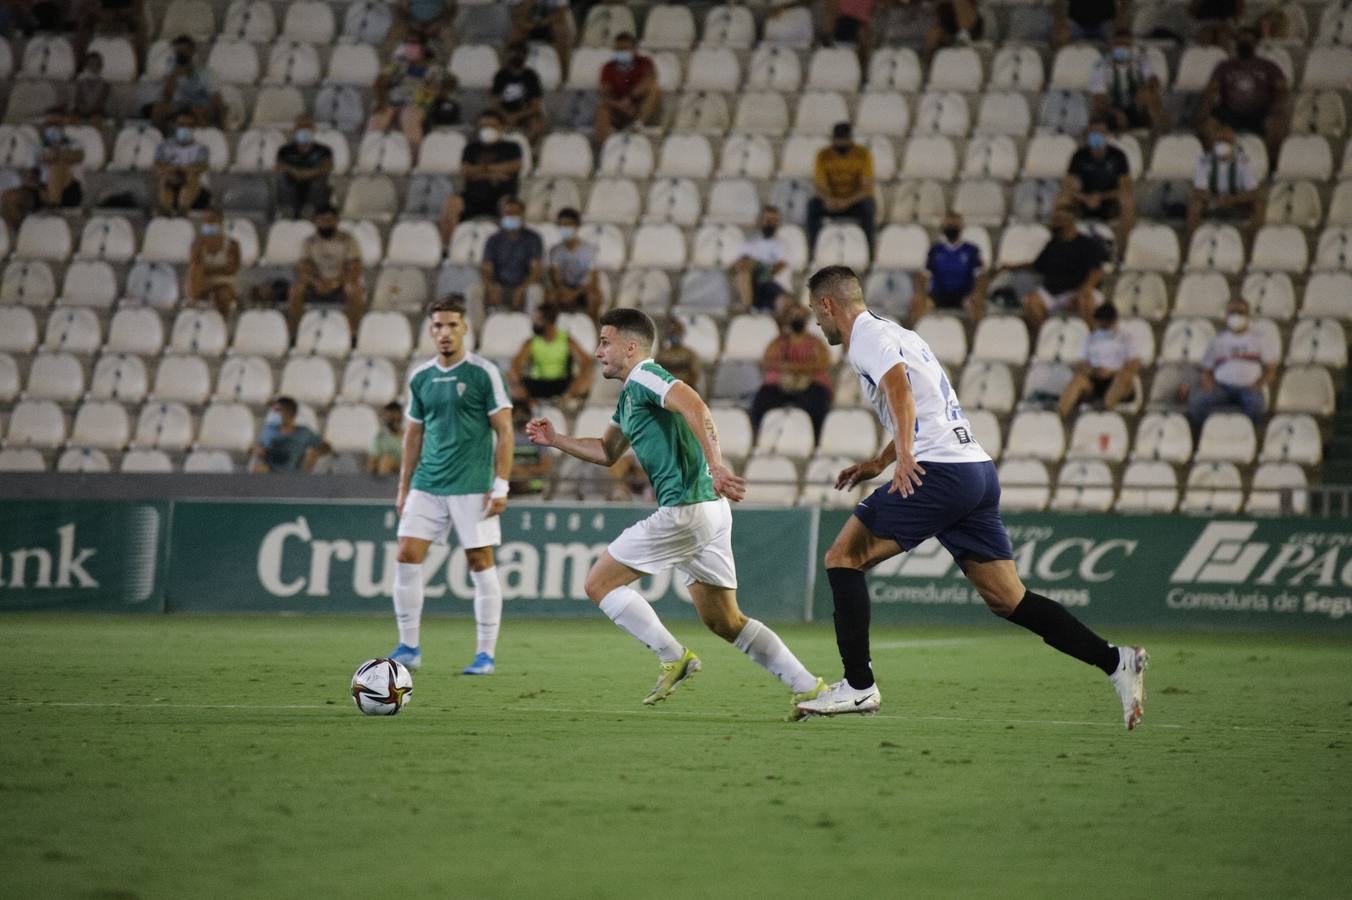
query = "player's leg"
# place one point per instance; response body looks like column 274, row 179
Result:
column 855, row 550
column 425, row 519
column 479, row 534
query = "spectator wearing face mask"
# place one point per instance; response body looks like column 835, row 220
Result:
column 1249, row 93
column 188, row 90
column 302, row 168
column 1071, row 266
column 56, row 182
column 387, row 447
column 513, row 260
column 956, row 280
column 283, row 444
column 760, row 260
column 550, row 364
column 1124, row 88
column 329, row 271
column 491, row 168
column 181, row 165
column 1107, row 367
column 89, row 93
column 1225, row 186
column 797, row 368
column 518, row 95
column 404, row 90
column 677, row 358
column 629, row 92
column 213, row 266
column 574, row 285
column 843, row 179
column 1098, row 183
column 1238, row 364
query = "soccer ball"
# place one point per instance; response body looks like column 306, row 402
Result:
column 381, row 687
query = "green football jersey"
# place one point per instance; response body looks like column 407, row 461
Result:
column 453, row 406
column 664, row 444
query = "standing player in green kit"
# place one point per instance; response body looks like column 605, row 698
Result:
column 456, row 461
column 674, row 438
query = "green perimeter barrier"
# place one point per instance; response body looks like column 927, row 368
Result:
column 338, row 556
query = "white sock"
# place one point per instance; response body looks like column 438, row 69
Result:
column 766, row 649
column 408, row 602
column 487, row 609
column 627, row 609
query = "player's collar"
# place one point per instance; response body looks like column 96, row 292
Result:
column 436, row 361
column 638, row 365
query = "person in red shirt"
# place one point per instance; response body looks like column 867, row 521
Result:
column 629, row 92
column 1248, row 93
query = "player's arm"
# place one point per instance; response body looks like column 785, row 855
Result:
column 901, row 403
column 495, row 501
column 682, row 400
column 408, row 461
column 602, row 451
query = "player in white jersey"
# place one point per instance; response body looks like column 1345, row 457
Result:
column 944, row 486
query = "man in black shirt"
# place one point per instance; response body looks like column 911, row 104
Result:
column 517, row 93
column 1098, row 182
column 1071, row 266
column 491, row 167
column 1083, row 20
column 302, row 170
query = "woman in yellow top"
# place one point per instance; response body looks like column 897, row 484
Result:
column 550, row 364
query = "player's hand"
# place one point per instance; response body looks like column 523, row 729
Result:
column 906, row 476
column 494, row 506
column 399, row 502
column 727, row 484
column 541, row 432
column 857, row 473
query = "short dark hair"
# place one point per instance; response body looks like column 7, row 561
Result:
column 184, row 39
column 1105, row 312
column 625, row 36
column 634, row 321
column 287, row 403
column 393, row 406
column 450, row 303
column 510, row 200
column 490, row 114
column 842, row 130
column 549, row 312
column 570, row 214
column 826, row 280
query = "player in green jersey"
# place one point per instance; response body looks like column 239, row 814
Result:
column 674, row 438
column 456, row 461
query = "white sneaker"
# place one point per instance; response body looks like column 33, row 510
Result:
column 1129, row 681
column 841, row 699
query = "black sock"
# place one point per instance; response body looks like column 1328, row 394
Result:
column 849, row 590
column 1058, row 628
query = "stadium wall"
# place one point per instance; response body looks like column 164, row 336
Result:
column 312, row 555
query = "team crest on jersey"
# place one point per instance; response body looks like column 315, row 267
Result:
column 460, row 389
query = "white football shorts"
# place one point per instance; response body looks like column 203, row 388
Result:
column 431, row 516
column 695, row 539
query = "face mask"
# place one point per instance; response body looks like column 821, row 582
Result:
column 1121, row 54
column 798, row 325
column 183, row 59
column 210, row 229
column 489, row 135
column 327, row 231
column 273, row 419
column 624, row 57
column 1223, row 150
column 951, row 232
column 53, row 134
column 184, row 135
column 769, row 230
column 1097, row 141
column 538, row 329
column 304, row 135
column 1236, row 321
column 511, row 223
column 566, row 232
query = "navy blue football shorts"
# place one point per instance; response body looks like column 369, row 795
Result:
column 958, row 503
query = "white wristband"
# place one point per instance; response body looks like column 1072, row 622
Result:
column 500, row 488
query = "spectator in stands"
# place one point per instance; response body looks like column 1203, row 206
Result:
column 329, row 271
column 188, row 90
column 1237, row 365
column 629, row 92
column 513, row 260
column 850, row 22
column 423, row 20
column 124, row 17
column 1098, row 183
column 1086, row 20
column 214, row 264
column 843, row 179
column 491, row 167
column 283, row 444
column 89, row 93
column 531, row 463
column 303, row 167
column 181, row 165
column 677, row 358
column 955, row 22
column 518, row 94
column 957, row 279
column 387, row 448
column 1215, row 19
column 550, row 364
column 1107, row 367
column 1225, row 185
column 1124, row 88
column 574, row 284
column 1249, row 93
column 444, row 110
column 1071, row 266
column 797, row 368
column 57, row 180
column 546, row 22
column 759, row 262
column 404, row 91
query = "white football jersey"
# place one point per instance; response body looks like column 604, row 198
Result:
column 942, row 432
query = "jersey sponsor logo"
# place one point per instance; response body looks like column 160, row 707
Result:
column 445, row 378
column 963, row 436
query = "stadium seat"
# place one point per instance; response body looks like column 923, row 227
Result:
column 198, row 332
column 1001, row 339
column 233, row 61
column 1306, row 389
column 226, row 426
column 849, row 432
column 36, row 423
column 153, row 284
column 771, row 479
column 244, row 379
column 658, row 247
column 701, row 336
column 1320, row 342
column 786, row 431
column 74, row 330
column 746, row 155
column 956, row 69
column 1202, row 294
column 119, row 377
column 166, row 426
column 1216, row 248
column 55, row 376
column 1101, row 436
column 919, row 200
column 564, row 154
column 1141, row 294
column 168, row 240
column 1326, row 296
column 310, row 21
column 1073, row 66
column 1227, row 437
column 1327, row 67
column 668, row 26
column 1213, row 487
column 1277, row 488
column 351, row 428
column 249, row 20
column 729, row 26
column 1280, row 248
column 369, row 380
column 990, row 156
column 1083, row 486
column 1017, row 68
column 761, row 113
column 49, row 57
column 1024, row 486
column 1148, row 487
column 985, row 386
column 1334, row 250
column 28, row 282
column 194, row 18
column 1305, row 156
column 819, row 483
column 388, row 153
column 101, row 424
column 141, row 460
column 1061, row 340
column 292, row 63
column 384, row 334
column 686, row 155
column 717, row 246
column 353, row 64
column 414, row 244
column 308, row 379
column 43, row 236
column 584, row 69
column 135, row 330
column 733, row 201
column 702, row 113
column 747, row 337
column 1292, row 438
column 929, row 156
column 1296, row 203
column 713, row 69
column 882, row 113
column 946, row 338
column 83, row 459
column 834, row 69
column 1186, row 340
column 1048, row 155
column 1152, row 248
column 791, row 27
column 841, row 245
column 323, row 332
column 1036, row 434
column 628, row 155
column 675, row 200
column 604, row 22
column 184, row 379
column 10, row 380
column 941, row 112
column 213, row 462
column 609, row 243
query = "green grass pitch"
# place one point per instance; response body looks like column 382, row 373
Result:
column 184, row 757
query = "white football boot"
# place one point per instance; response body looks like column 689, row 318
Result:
column 840, row 699
column 1129, row 682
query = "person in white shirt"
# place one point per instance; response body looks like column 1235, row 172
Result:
column 1224, row 184
column 1238, row 364
column 181, row 166
column 1107, row 367
column 759, row 262
column 943, row 486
